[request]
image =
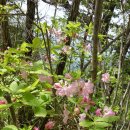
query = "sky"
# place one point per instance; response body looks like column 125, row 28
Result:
column 46, row 10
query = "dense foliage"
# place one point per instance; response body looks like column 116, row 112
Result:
column 65, row 72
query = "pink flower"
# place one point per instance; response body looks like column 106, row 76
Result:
column 66, row 49
column 108, row 112
column 87, row 108
column 68, row 76
column 105, row 77
column 98, row 112
column 65, row 114
column 2, row 102
column 43, row 78
column 87, row 89
column 88, row 101
column 57, row 86
column 61, row 91
column 71, row 90
column 68, row 91
column 88, row 47
column 24, row 75
column 35, row 128
column 82, row 117
column 58, row 33
column 49, row 125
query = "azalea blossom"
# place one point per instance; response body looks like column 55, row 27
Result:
column 35, row 128
column 78, row 87
column 61, row 91
column 66, row 49
column 87, row 89
column 88, row 101
column 44, row 78
column 2, row 102
column 98, row 112
column 65, row 115
column 57, row 33
column 105, row 77
column 88, row 47
column 57, row 85
column 87, row 108
column 68, row 76
column 108, row 112
column 49, row 125
column 82, row 117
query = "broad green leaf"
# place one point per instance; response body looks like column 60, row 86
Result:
column 86, row 123
column 14, row 86
column 44, row 72
column 24, row 46
column 10, row 127
column 45, row 97
column 90, row 28
column 36, row 42
column 40, row 112
column 31, row 87
column 101, row 124
column 31, row 100
column 97, row 129
column 107, row 119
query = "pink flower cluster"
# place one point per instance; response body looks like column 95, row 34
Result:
column 2, row 102
column 49, row 125
column 35, row 128
column 106, row 112
column 66, row 49
column 82, row 117
column 44, row 78
column 79, row 87
column 105, row 77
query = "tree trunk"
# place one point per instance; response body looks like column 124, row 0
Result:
column 72, row 17
column 30, row 15
column 97, row 18
column 23, row 117
column 5, row 29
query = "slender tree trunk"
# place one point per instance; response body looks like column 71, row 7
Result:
column 97, row 18
column 72, row 17
column 30, row 15
column 5, row 29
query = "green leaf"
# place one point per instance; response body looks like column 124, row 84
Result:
column 2, row 71
column 31, row 100
column 97, row 129
column 101, row 124
column 44, row 72
column 14, row 86
column 86, row 123
column 31, row 87
column 40, row 112
column 107, row 119
column 10, row 127
column 24, row 46
column 36, row 42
